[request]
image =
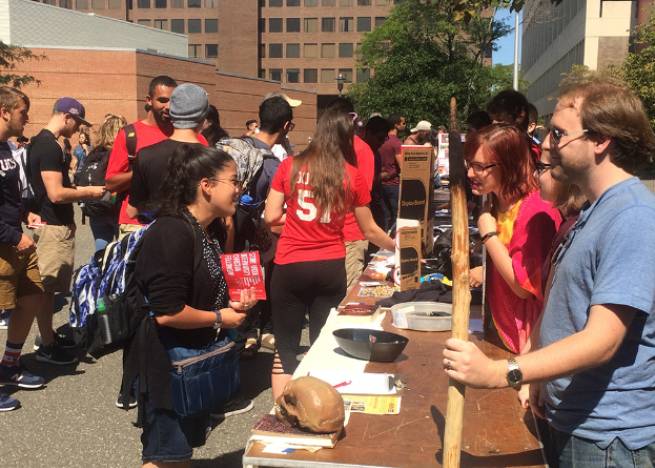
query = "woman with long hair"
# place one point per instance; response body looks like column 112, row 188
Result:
column 178, row 272
column 102, row 214
column 212, row 129
column 319, row 186
column 517, row 228
column 82, row 149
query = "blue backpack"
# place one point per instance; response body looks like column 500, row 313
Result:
column 108, row 276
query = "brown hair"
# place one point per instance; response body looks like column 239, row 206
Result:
column 10, row 98
column 506, row 146
column 324, row 158
column 109, row 129
column 610, row 109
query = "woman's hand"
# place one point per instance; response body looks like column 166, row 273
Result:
column 464, row 362
column 524, row 396
column 476, row 277
column 232, row 318
column 246, row 301
column 486, row 223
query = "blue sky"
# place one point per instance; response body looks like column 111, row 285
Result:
column 505, row 53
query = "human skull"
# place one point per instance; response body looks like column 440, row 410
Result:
column 311, row 404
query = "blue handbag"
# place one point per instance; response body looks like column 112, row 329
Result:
column 203, row 379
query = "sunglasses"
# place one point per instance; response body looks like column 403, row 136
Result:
column 556, row 136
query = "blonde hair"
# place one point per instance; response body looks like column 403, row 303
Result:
column 109, row 129
column 10, row 98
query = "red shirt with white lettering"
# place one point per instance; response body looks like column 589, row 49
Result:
column 366, row 167
column 305, row 237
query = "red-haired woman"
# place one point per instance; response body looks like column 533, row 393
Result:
column 517, row 229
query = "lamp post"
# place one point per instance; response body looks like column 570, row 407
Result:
column 340, row 81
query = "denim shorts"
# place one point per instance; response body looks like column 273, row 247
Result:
column 168, row 438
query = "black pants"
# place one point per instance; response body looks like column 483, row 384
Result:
column 300, row 288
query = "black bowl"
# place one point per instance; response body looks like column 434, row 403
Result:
column 371, row 345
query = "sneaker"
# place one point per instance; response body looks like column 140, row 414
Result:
column 4, row 319
column 132, row 403
column 55, row 355
column 8, row 403
column 19, row 377
column 268, row 341
column 61, row 340
column 236, row 405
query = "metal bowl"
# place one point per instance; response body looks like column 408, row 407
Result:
column 371, row 345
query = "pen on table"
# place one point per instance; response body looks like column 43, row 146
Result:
column 342, row 384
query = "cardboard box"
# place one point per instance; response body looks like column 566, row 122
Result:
column 416, row 187
column 408, row 254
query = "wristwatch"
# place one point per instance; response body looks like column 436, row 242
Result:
column 219, row 320
column 514, row 374
column 488, row 236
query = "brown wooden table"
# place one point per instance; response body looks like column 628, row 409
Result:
column 497, row 431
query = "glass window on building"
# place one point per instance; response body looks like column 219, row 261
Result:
column 275, row 3
column 363, row 74
column 293, row 51
column 211, row 50
column 311, row 25
column 194, row 50
column 275, row 50
column 311, row 3
column 363, row 23
column 194, row 3
column 346, row 3
column 275, row 25
column 143, row 3
column 363, row 2
column 381, row 2
column 82, row 4
column 328, row 50
column 328, row 75
column 144, row 22
column 275, row 74
column 328, row 24
column 346, row 24
column 310, row 51
column 347, row 73
column 177, row 3
column 262, row 25
column 379, row 21
column 177, row 26
column 293, row 75
column 211, row 3
column 161, row 24
column 328, row 2
column 98, row 4
column 293, row 3
column 161, row 3
column 345, row 50
column 66, row 4
column 211, row 25
column 195, row 26
column 262, row 50
column 310, row 75
column 262, row 73
column 293, row 24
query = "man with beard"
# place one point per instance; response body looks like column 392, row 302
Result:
column 154, row 128
column 54, row 195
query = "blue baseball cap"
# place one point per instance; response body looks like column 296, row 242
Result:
column 73, row 107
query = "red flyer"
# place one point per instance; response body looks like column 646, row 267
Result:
column 243, row 271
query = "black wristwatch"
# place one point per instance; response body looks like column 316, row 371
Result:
column 219, row 320
column 514, row 374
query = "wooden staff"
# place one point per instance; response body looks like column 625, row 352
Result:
column 461, row 291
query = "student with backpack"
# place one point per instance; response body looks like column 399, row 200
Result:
column 319, row 186
column 102, row 213
column 178, row 272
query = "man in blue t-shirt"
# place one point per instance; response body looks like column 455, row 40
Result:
column 594, row 372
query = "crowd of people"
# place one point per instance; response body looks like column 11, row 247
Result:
column 570, row 279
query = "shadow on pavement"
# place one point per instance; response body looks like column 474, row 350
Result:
column 256, row 374
column 227, row 460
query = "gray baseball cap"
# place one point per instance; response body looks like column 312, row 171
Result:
column 189, row 105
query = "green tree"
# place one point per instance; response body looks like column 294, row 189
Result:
column 639, row 67
column 10, row 56
column 422, row 55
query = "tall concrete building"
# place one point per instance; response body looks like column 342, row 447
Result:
column 306, row 44
column 594, row 33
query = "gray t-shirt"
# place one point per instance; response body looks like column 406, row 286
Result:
column 607, row 258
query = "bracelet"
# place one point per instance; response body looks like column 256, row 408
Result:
column 488, row 236
column 219, row 319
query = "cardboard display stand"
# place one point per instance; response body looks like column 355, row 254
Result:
column 416, row 189
column 408, row 253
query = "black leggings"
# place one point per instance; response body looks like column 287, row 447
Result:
column 300, row 288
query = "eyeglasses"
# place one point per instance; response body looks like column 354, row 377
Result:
column 556, row 136
column 478, row 168
column 541, row 167
column 234, row 182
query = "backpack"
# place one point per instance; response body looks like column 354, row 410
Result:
column 108, row 276
column 249, row 225
column 92, row 172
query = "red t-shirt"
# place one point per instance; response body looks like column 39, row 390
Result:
column 146, row 135
column 366, row 167
column 304, row 237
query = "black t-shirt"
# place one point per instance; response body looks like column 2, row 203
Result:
column 10, row 202
column 45, row 154
column 175, row 267
column 149, row 172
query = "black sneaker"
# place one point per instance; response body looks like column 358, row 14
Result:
column 132, row 403
column 55, row 355
column 236, row 405
column 61, row 340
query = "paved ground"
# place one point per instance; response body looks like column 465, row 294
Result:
column 73, row 421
